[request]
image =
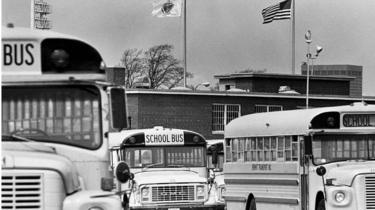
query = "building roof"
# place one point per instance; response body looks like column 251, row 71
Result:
column 292, row 122
column 246, row 94
column 281, row 76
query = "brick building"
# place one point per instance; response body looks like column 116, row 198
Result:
column 271, row 83
column 207, row 112
column 351, row 71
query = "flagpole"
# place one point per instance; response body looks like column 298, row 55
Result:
column 185, row 63
column 293, row 37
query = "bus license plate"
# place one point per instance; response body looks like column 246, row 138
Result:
column 173, row 208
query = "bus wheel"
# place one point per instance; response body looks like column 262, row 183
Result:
column 321, row 205
column 252, row 205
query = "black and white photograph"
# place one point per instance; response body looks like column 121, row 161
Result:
column 187, row 104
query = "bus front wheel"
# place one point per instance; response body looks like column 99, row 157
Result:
column 252, row 205
column 321, row 205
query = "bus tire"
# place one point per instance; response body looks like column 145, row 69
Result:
column 321, row 205
column 252, row 205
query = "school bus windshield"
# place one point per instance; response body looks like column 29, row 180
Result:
column 60, row 114
column 164, row 157
column 331, row 148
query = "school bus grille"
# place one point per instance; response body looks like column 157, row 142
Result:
column 173, row 193
column 370, row 192
column 21, row 192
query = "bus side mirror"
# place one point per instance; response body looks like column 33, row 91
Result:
column 118, row 108
column 321, row 171
column 123, row 172
column 308, row 145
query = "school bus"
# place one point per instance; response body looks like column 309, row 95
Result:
column 57, row 109
column 170, row 169
column 313, row 159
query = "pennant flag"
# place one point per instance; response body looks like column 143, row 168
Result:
column 279, row 11
column 167, row 8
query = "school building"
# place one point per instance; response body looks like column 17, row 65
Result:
column 207, row 112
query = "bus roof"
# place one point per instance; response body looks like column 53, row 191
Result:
column 292, row 122
column 37, row 52
column 19, row 33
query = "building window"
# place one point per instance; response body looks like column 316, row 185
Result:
column 222, row 114
column 268, row 108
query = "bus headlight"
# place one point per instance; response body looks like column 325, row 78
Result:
column 222, row 192
column 340, row 197
column 96, row 208
column 145, row 193
column 200, row 192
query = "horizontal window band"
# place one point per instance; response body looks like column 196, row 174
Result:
column 263, row 200
column 277, row 200
column 262, row 181
column 235, row 198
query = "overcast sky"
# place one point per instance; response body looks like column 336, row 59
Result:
column 223, row 36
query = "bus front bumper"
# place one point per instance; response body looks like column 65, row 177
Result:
column 180, row 207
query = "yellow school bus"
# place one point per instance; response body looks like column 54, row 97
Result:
column 311, row 159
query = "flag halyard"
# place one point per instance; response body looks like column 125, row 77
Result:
column 167, row 8
column 279, row 11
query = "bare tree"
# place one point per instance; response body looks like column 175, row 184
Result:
column 162, row 68
column 132, row 62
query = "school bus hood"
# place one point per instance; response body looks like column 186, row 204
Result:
column 168, row 176
column 36, row 156
column 344, row 173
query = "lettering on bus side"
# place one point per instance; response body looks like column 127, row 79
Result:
column 261, row 167
column 164, row 138
column 18, row 54
column 359, row 120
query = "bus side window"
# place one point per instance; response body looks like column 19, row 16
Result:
column 295, row 153
column 288, row 148
column 241, row 149
column 267, row 149
column 253, row 149
column 273, row 148
column 280, row 148
column 234, row 150
column 228, row 152
column 247, row 149
column 260, row 148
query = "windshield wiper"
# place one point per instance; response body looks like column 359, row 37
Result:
column 177, row 166
column 152, row 165
column 16, row 137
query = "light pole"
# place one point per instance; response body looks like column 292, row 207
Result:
column 319, row 49
column 206, row 84
column 308, row 55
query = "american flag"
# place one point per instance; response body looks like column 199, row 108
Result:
column 277, row 12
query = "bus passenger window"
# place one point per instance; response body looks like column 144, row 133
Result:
column 253, row 149
column 247, row 149
column 234, row 149
column 295, row 148
column 273, row 148
column 280, row 148
column 260, row 148
column 288, row 145
column 267, row 149
column 241, row 148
